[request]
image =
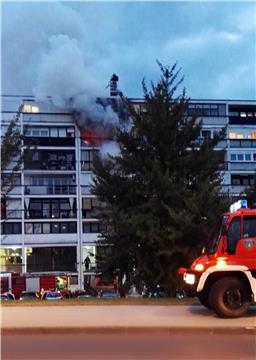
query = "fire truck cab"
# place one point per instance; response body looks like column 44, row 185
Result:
column 224, row 276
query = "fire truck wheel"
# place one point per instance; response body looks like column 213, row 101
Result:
column 204, row 299
column 229, row 297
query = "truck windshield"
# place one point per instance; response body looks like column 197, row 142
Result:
column 215, row 236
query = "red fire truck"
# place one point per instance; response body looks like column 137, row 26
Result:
column 14, row 283
column 224, row 276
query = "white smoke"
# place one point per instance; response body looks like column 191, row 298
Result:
column 57, row 54
column 109, row 148
column 63, row 75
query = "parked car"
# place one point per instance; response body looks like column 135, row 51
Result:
column 29, row 295
column 6, row 297
column 108, row 294
column 51, row 295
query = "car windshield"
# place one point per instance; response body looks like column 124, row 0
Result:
column 215, row 236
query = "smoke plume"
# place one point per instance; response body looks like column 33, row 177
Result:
column 56, row 59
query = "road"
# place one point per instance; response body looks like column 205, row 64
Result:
column 119, row 316
column 184, row 346
column 125, row 332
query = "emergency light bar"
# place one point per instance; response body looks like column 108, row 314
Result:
column 238, row 205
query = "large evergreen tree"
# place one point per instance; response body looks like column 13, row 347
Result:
column 161, row 192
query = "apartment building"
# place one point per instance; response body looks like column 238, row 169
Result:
column 50, row 222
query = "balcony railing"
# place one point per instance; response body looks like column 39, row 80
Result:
column 40, row 214
column 244, row 166
column 48, row 141
column 243, row 143
column 50, row 190
column 49, row 165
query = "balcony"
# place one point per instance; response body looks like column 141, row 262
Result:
column 49, row 160
column 243, row 143
column 243, row 166
column 49, row 141
column 44, row 214
column 50, row 190
column 50, row 165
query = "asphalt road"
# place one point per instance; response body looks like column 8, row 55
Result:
column 119, row 316
column 186, row 346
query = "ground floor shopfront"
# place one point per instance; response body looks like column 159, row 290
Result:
column 71, row 267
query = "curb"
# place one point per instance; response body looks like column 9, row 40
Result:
column 127, row 330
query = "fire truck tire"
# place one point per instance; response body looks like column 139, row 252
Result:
column 229, row 297
column 204, row 299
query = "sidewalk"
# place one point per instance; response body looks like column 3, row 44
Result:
column 121, row 318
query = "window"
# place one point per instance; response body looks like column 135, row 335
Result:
column 238, row 180
column 90, row 207
column 52, row 208
column 11, row 228
column 207, row 109
column 70, row 132
column 37, row 228
column 87, row 160
column 63, row 228
column 35, row 156
column 247, row 157
column 62, row 132
column 240, row 157
column 30, row 108
column 55, row 132
column 235, row 181
column 46, row 228
column 55, row 228
column 249, row 229
column 87, row 203
column 233, row 113
column 234, row 234
column 50, row 228
column 233, row 157
column 28, row 228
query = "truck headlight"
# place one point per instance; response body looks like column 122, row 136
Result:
column 189, row 279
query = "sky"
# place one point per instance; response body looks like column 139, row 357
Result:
column 71, row 48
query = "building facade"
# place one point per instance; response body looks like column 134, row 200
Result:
column 49, row 221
